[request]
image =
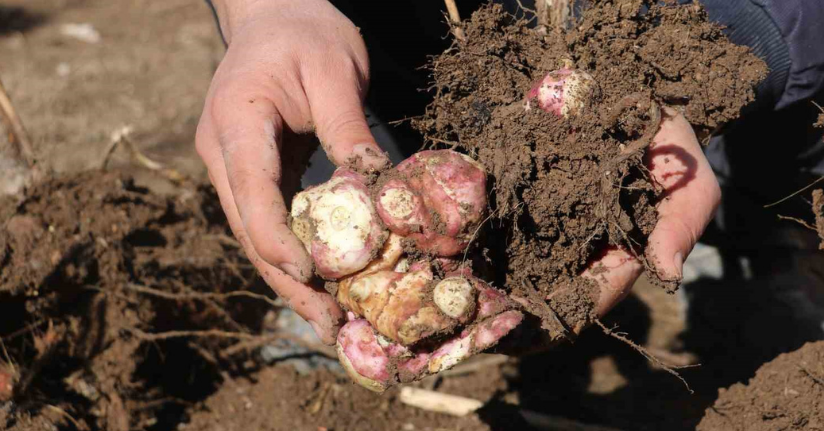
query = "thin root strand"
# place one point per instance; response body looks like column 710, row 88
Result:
column 646, row 354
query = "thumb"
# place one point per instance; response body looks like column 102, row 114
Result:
column 337, row 110
column 691, row 194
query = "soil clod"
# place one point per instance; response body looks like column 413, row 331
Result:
column 565, row 188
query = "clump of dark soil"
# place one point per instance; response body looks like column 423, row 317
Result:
column 563, row 189
column 785, row 394
column 818, row 210
column 120, row 307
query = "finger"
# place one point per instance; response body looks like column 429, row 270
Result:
column 248, row 129
column 691, row 194
column 615, row 273
column 337, row 110
column 316, row 307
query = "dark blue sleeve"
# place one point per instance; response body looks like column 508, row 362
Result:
column 787, row 34
column 217, row 21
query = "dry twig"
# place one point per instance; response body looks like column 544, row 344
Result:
column 121, row 136
column 455, row 18
column 555, row 13
column 794, row 194
column 19, row 136
column 200, row 295
column 799, row 221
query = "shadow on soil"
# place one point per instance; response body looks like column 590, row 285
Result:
column 15, row 19
column 734, row 327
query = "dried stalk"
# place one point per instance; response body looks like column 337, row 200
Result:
column 18, row 135
column 455, row 18
column 554, row 13
column 121, row 136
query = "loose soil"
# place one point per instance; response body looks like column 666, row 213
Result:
column 564, row 189
column 785, row 394
column 120, row 304
column 318, row 401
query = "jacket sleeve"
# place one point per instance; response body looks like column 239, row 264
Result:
column 787, row 34
column 217, row 21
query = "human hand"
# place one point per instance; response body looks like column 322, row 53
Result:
column 290, row 67
column 691, row 197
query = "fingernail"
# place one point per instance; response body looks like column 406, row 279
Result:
column 294, row 272
column 678, row 262
column 370, row 156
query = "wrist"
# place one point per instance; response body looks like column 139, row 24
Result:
column 235, row 14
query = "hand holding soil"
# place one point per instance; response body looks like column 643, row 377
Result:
column 599, row 183
column 281, row 75
column 689, row 199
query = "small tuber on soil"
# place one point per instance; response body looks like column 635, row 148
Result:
column 564, row 92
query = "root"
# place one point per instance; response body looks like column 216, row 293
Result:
column 794, row 194
column 646, row 139
column 250, row 341
column 77, row 425
column 799, row 221
column 121, row 137
column 200, row 295
column 19, row 136
column 646, row 354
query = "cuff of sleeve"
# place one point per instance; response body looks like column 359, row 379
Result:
column 749, row 23
column 746, row 22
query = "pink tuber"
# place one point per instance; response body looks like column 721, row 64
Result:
column 437, row 199
column 338, row 225
column 396, row 305
column 407, row 305
column 376, row 363
column 565, row 92
column 400, row 309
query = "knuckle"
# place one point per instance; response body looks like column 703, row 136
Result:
column 343, row 122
